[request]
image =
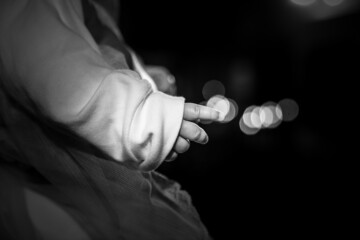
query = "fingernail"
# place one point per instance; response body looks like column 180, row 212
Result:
column 206, row 139
column 216, row 115
column 173, row 157
column 222, row 116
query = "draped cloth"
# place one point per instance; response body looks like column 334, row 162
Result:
column 56, row 185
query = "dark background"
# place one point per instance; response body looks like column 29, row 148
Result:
column 288, row 181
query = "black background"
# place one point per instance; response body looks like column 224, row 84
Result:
column 289, row 181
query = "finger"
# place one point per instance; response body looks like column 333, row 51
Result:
column 181, row 145
column 195, row 112
column 173, row 90
column 171, row 79
column 171, row 157
column 193, row 132
column 154, row 69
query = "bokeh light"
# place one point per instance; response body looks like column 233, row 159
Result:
column 290, row 109
column 246, row 117
column 233, row 111
column 203, row 103
column 303, row 2
column 220, row 103
column 325, row 9
column 255, row 117
column 212, row 88
column 245, row 128
column 278, row 111
column 277, row 114
column 268, row 115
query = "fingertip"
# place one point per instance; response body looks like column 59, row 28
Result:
column 216, row 115
column 182, row 145
column 172, row 157
column 219, row 115
column 206, row 139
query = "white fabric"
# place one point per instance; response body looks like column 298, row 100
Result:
column 49, row 55
column 144, row 75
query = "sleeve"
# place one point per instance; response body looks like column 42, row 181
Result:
column 46, row 51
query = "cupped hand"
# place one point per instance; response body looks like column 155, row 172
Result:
column 190, row 131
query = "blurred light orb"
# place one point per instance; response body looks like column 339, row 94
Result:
column 220, row 103
column 304, row 3
column 203, row 103
column 233, row 111
column 278, row 116
column 246, row 116
column 325, row 9
column 245, row 128
column 289, row 108
column 278, row 112
column 266, row 116
column 213, row 87
column 333, row 3
column 270, row 115
column 255, row 117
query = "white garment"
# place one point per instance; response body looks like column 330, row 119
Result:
column 48, row 55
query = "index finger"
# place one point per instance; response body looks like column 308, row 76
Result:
column 196, row 112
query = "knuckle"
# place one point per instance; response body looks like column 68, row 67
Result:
column 196, row 110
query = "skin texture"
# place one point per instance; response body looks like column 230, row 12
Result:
column 190, row 131
column 193, row 113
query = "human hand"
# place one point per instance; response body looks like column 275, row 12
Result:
column 163, row 79
column 190, row 131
